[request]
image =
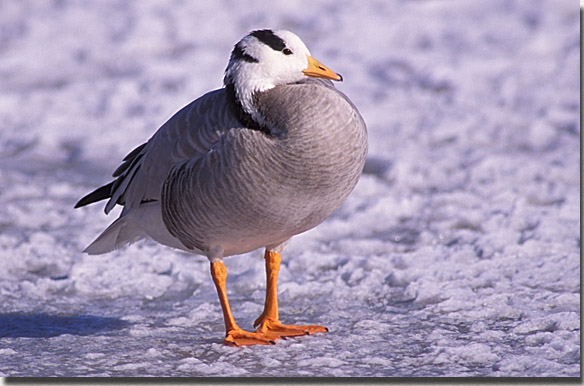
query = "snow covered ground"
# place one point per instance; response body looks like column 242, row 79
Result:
column 458, row 253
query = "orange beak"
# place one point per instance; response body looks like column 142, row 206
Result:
column 319, row 70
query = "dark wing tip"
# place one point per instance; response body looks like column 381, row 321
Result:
column 101, row 193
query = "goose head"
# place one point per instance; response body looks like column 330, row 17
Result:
column 264, row 59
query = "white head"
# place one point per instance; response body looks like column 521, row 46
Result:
column 264, row 59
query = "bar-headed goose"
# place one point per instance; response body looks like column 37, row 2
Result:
column 271, row 154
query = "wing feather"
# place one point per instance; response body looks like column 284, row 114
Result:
column 188, row 134
column 129, row 160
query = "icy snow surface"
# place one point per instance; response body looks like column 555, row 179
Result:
column 456, row 255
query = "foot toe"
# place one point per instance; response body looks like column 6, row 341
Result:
column 244, row 338
column 275, row 328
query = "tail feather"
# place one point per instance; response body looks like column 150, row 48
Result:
column 117, row 235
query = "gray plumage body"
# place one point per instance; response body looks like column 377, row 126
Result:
column 207, row 184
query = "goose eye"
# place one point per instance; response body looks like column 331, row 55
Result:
column 287, row 51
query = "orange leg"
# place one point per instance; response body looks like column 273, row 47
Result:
column 269, row 321
column 234, row 335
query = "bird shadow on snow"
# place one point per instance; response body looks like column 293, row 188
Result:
column 17, row 325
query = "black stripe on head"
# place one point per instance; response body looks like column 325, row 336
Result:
column 268, row 37
column 239, row 54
